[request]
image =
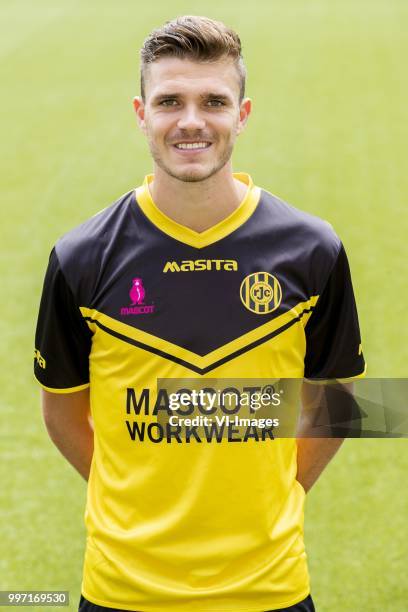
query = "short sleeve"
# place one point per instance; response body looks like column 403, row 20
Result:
column 62, row 339
column 333, row 342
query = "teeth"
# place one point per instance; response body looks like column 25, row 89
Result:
column 192, row 145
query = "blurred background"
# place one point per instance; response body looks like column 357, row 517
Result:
column 328, row 133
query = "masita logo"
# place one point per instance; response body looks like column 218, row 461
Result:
column 199, row 265
column 137, row 294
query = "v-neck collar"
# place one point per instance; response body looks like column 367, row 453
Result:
column 212, row 234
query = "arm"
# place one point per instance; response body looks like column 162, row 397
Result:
column 314, row 453
column 68, row 421
column 312, row 457
column 333, row 351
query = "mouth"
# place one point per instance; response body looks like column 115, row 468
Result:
column 192, row 147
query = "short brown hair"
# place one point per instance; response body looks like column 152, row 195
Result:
column 197, row 38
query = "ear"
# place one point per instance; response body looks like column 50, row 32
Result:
column 139, row 107
column 244, row 111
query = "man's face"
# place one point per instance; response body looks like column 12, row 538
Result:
column 191, row 115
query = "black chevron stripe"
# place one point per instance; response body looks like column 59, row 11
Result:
column 189, row 365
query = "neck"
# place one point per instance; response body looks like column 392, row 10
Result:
column 200, row 205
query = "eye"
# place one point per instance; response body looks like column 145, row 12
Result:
column 215, row 103
column 168, row 102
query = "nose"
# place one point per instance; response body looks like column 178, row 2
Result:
column 191, row 119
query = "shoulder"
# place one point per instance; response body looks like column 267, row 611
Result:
column 299, row 226
column 308, row 242
column 81, row 252
column 93, row 234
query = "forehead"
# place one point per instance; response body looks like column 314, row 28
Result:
column 185, row 76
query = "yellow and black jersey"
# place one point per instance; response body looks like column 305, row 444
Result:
column 131, row 297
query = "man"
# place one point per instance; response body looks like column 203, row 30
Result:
column 196, row 275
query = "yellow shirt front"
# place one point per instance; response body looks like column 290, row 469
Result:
column 131, row 300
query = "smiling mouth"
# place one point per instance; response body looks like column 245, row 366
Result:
column 192, row 146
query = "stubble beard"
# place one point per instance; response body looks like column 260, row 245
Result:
column 192, row 176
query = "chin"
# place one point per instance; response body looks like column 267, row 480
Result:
column 194, row 175
column 190, row 175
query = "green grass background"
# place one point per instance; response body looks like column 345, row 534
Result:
column 328, row 133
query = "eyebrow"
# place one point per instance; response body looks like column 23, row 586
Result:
column 205, row 96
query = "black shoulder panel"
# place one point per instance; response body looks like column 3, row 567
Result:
column 199, row 310
column 88, row 250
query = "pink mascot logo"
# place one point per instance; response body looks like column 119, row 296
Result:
column 137, row 294
column 137, row 291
